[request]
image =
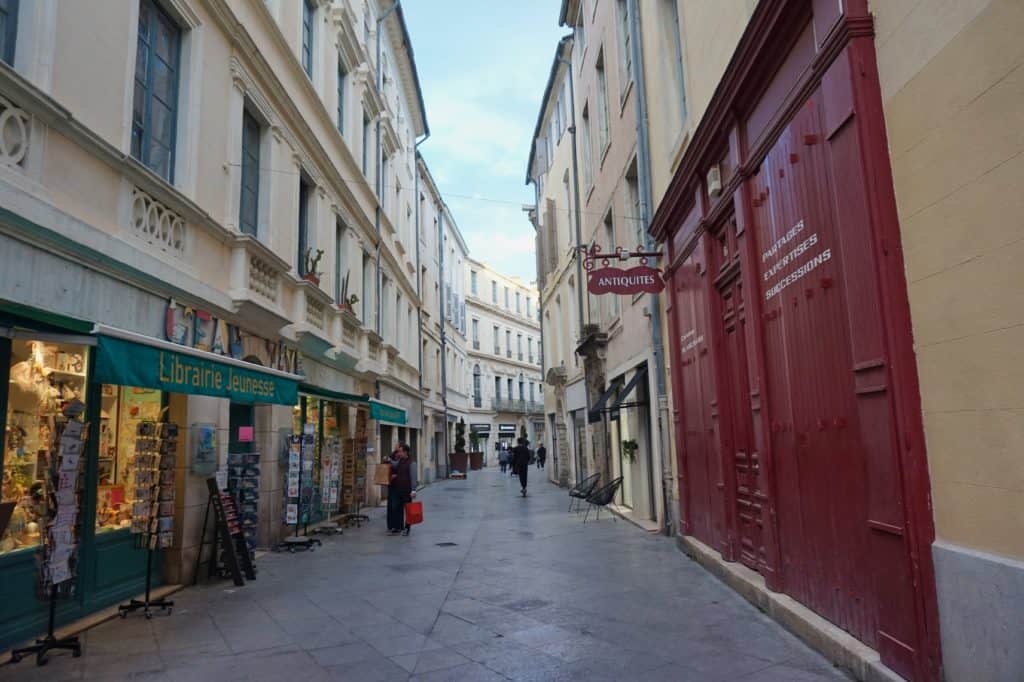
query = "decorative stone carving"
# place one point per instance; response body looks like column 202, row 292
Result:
column 157, row 225
column 263, row 278
column 14, row 134
column 315, row 313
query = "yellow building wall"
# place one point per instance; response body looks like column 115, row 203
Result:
column 953, row 90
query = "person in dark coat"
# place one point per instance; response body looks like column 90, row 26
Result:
column 400, row 491
column 521, row 462
column 542, row 454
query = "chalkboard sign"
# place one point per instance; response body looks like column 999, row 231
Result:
column 229, row 546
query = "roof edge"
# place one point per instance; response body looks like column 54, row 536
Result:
column 556, row 64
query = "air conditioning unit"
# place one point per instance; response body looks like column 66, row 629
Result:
column 714, row 181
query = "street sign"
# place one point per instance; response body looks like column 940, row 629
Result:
column 606, row 279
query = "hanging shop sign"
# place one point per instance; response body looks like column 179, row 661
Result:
column 602, row 278
column 194, row 328
column 127, row 363
column 480, row 428
column 383, row 412
column 507, row 428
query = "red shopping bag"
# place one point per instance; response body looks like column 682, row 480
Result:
column 413, row 513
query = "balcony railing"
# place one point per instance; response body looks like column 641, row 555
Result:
column 476, row 344
column 524, row 406
column 477, row 401
column 531, row 359
column 520, row 357
column 509, row 354
column 497, row 350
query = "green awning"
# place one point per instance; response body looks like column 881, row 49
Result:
column 130, row 363
column 327, row 394
column 18, row 313
column 383, row 412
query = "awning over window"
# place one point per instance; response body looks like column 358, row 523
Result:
column 597, row 408
column 125, row 358
column 383, row 412
column 327, row 394
column 638, row 376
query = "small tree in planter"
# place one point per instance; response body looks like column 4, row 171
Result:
column 459, row 457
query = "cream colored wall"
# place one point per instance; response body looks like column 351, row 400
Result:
column 709, row 33
column 952, row 84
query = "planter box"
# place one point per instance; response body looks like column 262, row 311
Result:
column 459, row 461
column 476, row 460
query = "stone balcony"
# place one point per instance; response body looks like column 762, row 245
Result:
column 517, row 406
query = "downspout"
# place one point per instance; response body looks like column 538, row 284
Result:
column 379, row 179
column 578, row 251
column 644, row 182
column 444, row 334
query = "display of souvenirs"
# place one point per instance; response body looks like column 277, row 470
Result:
column 60, row 538
column 45, row 378
column 244, row 485
column 152, row 492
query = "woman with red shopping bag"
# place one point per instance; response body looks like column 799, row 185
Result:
column 400, row 492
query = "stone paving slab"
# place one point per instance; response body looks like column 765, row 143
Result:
column 527, row 592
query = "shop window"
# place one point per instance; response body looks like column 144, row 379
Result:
column 44, row 377
column 122, row 409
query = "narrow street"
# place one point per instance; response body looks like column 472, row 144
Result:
column 527, row 592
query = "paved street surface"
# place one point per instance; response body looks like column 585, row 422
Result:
column 527, row 592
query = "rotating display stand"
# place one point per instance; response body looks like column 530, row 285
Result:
column 299, row 490
column 153, row 510
column 60, row 541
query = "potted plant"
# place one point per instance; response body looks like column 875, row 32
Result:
column 476, row 456
column 346, row 302
column 311, row 261
column 459, row 459
column 629, row 448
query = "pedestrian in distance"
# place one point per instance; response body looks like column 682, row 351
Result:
column 542, row 455
column 400, row 490
column 521, row 462
column 503, row 460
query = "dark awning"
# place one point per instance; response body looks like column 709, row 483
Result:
column 594, row 415
column 638, row 376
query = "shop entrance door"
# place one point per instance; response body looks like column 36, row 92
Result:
column 737, row 434
column 240, row 415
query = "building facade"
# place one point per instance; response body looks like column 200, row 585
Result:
column 504, row 358
column 220, row 230
column 835, row 335
column 552, row 172
column 615, row 416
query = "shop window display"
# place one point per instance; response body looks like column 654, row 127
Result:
column 122, row 409
column 44, row 377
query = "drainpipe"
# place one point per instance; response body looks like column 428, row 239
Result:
column 379, row 184
column 577, row 252
column 644, row 182
column 444, row 334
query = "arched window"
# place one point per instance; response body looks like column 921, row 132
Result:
column 477, row 398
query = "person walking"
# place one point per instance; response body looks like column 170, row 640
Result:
column 400, row 491
column 521, row 462
column 542, row 455
column 503, row 460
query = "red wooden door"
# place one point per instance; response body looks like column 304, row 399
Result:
column 739, row 438
column 696, row 408
column 819, row 462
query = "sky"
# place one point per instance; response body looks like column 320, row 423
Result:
column 483, row 67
